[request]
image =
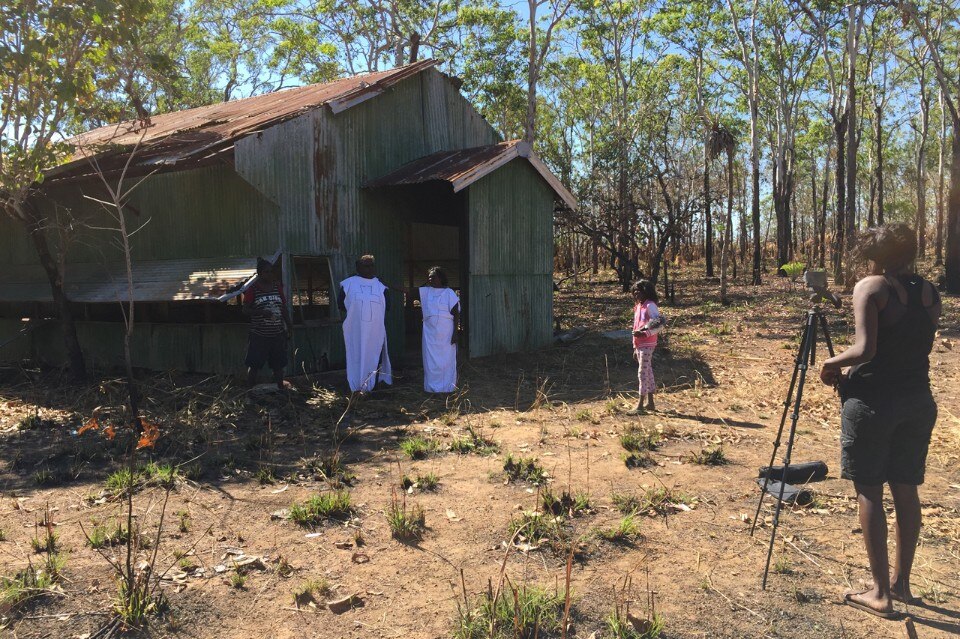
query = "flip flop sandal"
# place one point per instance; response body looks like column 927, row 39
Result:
column 913, row 601
column 892, row 615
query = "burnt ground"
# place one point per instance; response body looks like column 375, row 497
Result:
column 243, row 462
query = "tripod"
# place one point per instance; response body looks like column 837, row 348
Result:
column 806, row 358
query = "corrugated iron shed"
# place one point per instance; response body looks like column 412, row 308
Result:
column 203, row 132
column 153, row 281
column 463, row 167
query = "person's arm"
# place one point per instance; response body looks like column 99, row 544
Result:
column 455, row 311
column 866, row 318
column 386, row 302
column 342, row 300
column 248, row 308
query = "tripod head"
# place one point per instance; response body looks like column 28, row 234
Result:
column 816, row 281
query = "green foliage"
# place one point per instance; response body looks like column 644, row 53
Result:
column 406, row 524
column 627, row 529
column 710, row 457
column 474, row 442
column 103, row 535
column 27, row 583
column 793, row 270
column 524, row 469
column 637, row 439
column 320, row 508
column 537, row 528
column 418, row 446
column 564, row 504
column 525, row 612
column 620, row 627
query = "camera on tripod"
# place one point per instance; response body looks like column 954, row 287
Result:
column 816, row 281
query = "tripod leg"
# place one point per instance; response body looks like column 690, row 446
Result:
column 801, row 357
column 809, row 342
column 826, row 333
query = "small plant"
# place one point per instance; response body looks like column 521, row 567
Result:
column 429, row 482
column 450, row 417
column 406, row 524
column 626, row 504
column 660, row 501
column 265, row 475
column 474, row 442
column 183, row 524
column 626, row 530
column 621, row 624
column 710, row 457
column 163, row 475
column 523, row 613
column 47, row 540
column 43, row 477
column 120, row 481
column 418, row 446
column 320, row 508
column 783, row 566
column 636, row 439
column 30, row 422
column 134, row 604
column 237, row 580
column 186, row 564
column 27, row 583
column 720, row 329
column 284, row 569
column 311, row 591
column 102, row 535
column 584, row 415
column 524, row 469
column 329, row 467
column 537, row 528
column 564, row 504
column 3, row 535
column 640, row 459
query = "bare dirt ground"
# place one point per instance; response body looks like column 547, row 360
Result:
column 242, row 464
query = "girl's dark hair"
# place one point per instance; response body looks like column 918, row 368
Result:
column 891, row 246
column 647, row 289
column 436, row 270
column 264, row 265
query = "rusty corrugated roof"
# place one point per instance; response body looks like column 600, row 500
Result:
column 207, row 279
column 464, row 167
column 194, row 134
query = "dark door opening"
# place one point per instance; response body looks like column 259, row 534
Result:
column 429, row 245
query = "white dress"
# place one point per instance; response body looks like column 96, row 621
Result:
column 439, row 355
column 364, row 334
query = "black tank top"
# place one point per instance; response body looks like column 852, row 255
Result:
column 904, row 340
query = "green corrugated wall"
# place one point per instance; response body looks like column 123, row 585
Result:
column 510, row 301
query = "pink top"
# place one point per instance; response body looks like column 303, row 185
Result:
column 643, row 313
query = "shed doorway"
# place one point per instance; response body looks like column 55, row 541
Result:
column 429, row 245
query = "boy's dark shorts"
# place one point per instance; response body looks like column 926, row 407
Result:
column 884, row 438
column 266, row 350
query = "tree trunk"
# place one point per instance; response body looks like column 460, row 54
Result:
column 529, row 130
column 823, row 211
column 878, row 134
column 727, row 230
column 755, row 195
column 952, row 257
column 708, row 243
column 75, row 363
column 922, row 174
column 938, row 249
column 840, row 132
column 852, row 143
column 814, row 218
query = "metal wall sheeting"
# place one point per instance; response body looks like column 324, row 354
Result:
column 153, row 281
column 206, row 348
column 510, row 301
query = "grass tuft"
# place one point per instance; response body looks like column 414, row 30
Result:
column 474, row 442
column 626, row 530
column 564, row 504
column 636, row 439
column 538, row 529
column 406, row 524
column 418, row 446
column 710, row 457
column 320, row 508
column 524, row 613
column 619, row 627
column 524, row 469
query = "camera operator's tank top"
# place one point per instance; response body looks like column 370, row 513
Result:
column 905, row 335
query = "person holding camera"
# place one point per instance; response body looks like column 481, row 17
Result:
column 888, row 410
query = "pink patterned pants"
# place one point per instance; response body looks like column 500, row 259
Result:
column 645, row 369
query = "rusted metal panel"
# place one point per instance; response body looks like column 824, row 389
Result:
column 171, row 138
column 153, row 281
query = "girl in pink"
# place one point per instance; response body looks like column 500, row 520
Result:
column 646, row 318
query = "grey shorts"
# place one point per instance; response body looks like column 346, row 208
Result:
column 885, row 438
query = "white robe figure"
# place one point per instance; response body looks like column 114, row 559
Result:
column 364, row 333
column 439, row 355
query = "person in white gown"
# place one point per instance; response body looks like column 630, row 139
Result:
column 363, row 301
column 441, row 322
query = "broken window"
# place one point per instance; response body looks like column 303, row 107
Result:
column 311, row 284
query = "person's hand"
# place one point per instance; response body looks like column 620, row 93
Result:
column 633, row 354
column 641, row 333
column 830, row 374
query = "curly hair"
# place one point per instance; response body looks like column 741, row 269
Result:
column 891, row 246
column 439, row 272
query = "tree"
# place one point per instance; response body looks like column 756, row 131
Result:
column 50, row 56
column 538, row 46
column 722, row 140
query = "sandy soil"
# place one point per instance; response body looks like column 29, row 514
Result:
column 724, row 372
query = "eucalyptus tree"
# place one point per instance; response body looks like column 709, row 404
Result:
column 51, row 55
column 945, row 15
